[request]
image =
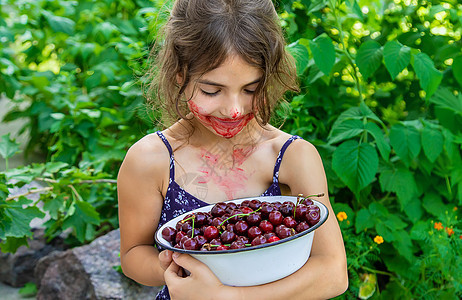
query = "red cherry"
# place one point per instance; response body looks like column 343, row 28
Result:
column 237, row 245
column 275, row 217
column 307, row 202
column 302, row 226
column 266, row 208
column 216, row 221
column 169, row 233
column 300, row 212
column 243, row 239
column 258, row 240
column 190, row 244
column 253, row 232
column 312, row 217
column 241, row 227
column 253, row 219
column 289, row 222
column 287, row 208
column 246, row 210
column 201, row 240
column 222, row 247
column 179, row 236
column 273, row 239
column 255, row 204
column 227, row 237
column 266, row 226
column 245, row 203
column 211, row 232
column 218, row 210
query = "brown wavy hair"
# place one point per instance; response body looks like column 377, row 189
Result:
column 198, row 37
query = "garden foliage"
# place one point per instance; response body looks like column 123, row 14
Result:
column 381, row 99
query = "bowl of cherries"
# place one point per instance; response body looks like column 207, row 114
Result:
column 249, row 241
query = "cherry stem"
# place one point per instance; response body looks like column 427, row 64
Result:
column 300, row 196
column 239, row 215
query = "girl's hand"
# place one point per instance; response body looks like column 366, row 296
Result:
column 200, row 284
column 165, row 259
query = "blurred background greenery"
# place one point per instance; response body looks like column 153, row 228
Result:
column 381, row 98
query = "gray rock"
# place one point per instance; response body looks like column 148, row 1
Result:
column 18, row 269
column 88, row 272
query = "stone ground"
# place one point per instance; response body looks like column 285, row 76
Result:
column 7, row 292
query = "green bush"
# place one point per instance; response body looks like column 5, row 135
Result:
column 381, row 98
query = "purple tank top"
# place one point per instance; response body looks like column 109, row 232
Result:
column 178, row 201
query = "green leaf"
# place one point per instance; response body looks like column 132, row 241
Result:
column 8, row 147
column 29, row 289
column 396, row 57
column 429, row 77
column 301, row 55
column 400, row 181
column 444, row 98
column 20, row 218
column 323, row 51
column 59, row 24
column 376, row 132
column 457, row 69
column 84, row 214
column 354, row 6
column 345, row 130
column 414, row 210
column 11, row 244
column 367, row 286
column 434, row 205
column 405, row 140
column 403, row 243
column 356, row 164
column 432, row 141
column 364, row 220
column 54, row 205
column 369, row 58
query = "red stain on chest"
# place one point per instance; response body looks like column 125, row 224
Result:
column 228, row 179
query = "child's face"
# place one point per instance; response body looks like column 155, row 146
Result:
column 222, row 101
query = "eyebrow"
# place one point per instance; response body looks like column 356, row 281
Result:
column 208, row 82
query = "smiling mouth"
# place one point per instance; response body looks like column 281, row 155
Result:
column 227, row 122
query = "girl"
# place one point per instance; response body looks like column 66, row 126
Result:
column 222, row 68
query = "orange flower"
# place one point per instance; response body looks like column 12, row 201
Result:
column 342, row 216
column 455, row 208
column 378, row 239
column 438, row 226
column 450, row 231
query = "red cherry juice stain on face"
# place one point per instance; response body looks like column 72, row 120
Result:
column 224, row 127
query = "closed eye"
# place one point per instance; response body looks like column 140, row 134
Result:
column 250, row 91
column 210, row 94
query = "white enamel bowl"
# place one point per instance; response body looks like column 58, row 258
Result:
column 258, row 264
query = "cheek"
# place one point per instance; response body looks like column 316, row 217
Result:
column 198, row 111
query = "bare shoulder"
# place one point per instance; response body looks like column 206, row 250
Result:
column 302, row 169
column 148, row 158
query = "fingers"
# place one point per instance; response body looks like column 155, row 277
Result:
column 165, row 258
column 188, row 263
column 173, row 271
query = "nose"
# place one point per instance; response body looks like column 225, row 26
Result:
column 233, row 107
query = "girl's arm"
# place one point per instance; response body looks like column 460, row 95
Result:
column 323, row 276
column 139, row 185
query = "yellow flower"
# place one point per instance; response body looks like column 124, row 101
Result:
column 438, row 226
column 378, row 239
column 342, row 216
